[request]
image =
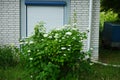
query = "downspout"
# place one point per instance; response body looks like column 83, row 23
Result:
column 90, row 24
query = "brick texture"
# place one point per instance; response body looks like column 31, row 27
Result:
column 95, row 29
column 9, row 21
column 81, row 7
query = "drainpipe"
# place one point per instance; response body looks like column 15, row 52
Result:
column 90, row 24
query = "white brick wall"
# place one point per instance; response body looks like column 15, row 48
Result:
column 95, row 28
column 9, row 21
column 82, row 9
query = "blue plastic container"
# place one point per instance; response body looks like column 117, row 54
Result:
column 111, row 34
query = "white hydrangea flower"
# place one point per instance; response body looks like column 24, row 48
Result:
column 56, row 35
column 31, row 76
column 64, row 54
column 21, row 40
column 31, row 59
column 68, row 33
column 69, row 45
column 63, row 37
column 81, row 38
column 31, row 42
column 59, row 40
column 42, row 39
column 45, row 35
column 68, row 49
column 26, row 42
column 63, row 48
column 86, row 57
column 73, row 38
column 29, row 51
column 50, row 37
column 56, row 39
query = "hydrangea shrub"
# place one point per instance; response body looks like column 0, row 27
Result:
column 57, row 55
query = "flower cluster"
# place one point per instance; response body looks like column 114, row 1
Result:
column 57, row 50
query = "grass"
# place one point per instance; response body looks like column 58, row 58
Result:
column 111, row 56
column 99, row 72
column 13, row 73
column 105, row 73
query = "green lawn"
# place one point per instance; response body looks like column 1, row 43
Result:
column 13, row 73
column 111, row 56
column 106, row 73
column 99, row 72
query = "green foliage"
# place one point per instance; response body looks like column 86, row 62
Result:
column 108, row 16
column 8, row 56
column 113, row 5
column 14, row 73
column 57, row 55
